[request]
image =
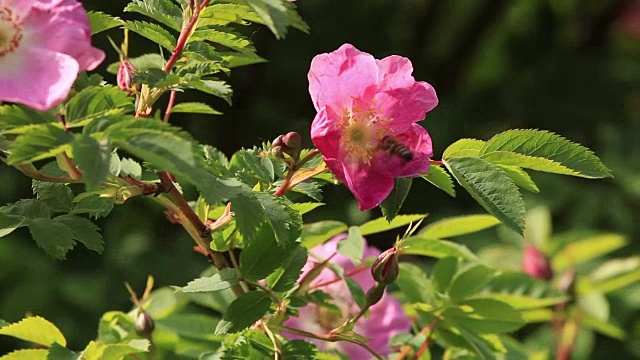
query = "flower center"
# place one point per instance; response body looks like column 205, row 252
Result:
column 10, row 30
column 361, row 134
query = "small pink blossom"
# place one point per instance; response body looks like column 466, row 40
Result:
column 43, row 46
column 386, row 318
column 535, row 263
column 125, row 75
column 364, row 104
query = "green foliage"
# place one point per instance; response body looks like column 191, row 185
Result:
column 162, row 11
column 36, row 330
column 438, row 177
column 92, row 159
column 243, row 312
column 100, row 21
column 391, row 205
column 225, row 279
column 153, row 32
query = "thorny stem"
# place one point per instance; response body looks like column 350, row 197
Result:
column 286, row 184
column 184, row 36
column 429, row 329
column 167, row 112
column 330, row 338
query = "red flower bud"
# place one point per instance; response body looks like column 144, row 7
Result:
column 144, row 323
column 535, row 263
column 385, row 269
column 124, row 76
column 290, row 144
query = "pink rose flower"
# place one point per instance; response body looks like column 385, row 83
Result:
column 386, row 318
column 535, row 263
column 43, row 46
column 366, row 123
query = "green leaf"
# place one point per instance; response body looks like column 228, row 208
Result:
column 492, row 188
column 84, row 81
column 194, row 108
column 543, row 151
column 439, row 178
column 235, row 59
column 263, row 254
column 285, row 277
column 163, row 11
column 59, row 352
column 603, row 327
column 480, row 343
column 29, row 208
column 463, row 148
column 36, row 330
column 92, row 158
column 443, row 274
column 391, row 205
column 352, row 246
column 27, row 354
column 225, row 36
column 356, row 291
column 102, row 351
column 458, row 225
column 130, row 167
column 8, row 223
column 97, row 101
column 250, row 167
column 17, row 119
column 425, row 246
column 615, row 274
column 93, row 204
column 84, row 231
column 380, row 224
column 317, row 233
column 521, row 291
column 100, row 21
column 590, row 248
column 156, row 78
column 298, row 350
column 58, row 197
column 153, row 32
column 413, row 284
column 140, row 63
column 303, row 208
column 273, row 13
column 520, row 178
column 54, row 237
column 196, row 326
column 485, row 316
column 224, row 279
column 243, row 312
column 213, row 87
column 41, row 142
column 469, row 281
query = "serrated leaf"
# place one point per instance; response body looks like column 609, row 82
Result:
column 284, row 278
column 458, row 225
column 298, row 350
column 224, row 279
column 41, row 142
column 130, row 167
column 140, row 63
column 102, row 351
column 100, row 21
column 470, row 281
column 309, row 188
column 26, row 354
column 381, row 224
column 319, row 232
column 58, row 197
column 485, row 316
column 95, row 101
column 163, row 11
column 425, row 246
column 35, row 329
column 492, row 188
column 273, row 13
column 235, row 59
column 59, row 352
column 153, row 32
column 463, row 148
column 84, row 231
column 29, row 208
column 93, row 204
column 225, row 36
column 55, row 238
column 414, row 284
column 520, row 178
column 213, row 87
column 253, row 166
column 156, row 78
column 198, row 326
column 391, row 205
column 304, row 208
column 92, row 158
column 581, row 251
column 243, row 312
column 17, row 119
column 543, row 151
column 439, row 178
column 264, row 254
column 8, row 223
column 194, row 108
column 352, row 246
column 84, row 81
column 443, row 273
column 521, row 291
column 356, row 292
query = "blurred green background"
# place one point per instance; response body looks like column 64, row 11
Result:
column 568, row 66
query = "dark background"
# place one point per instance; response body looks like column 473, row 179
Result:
column 571, row 67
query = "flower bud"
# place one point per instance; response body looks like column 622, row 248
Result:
column 144, row 323
column 385, row 269
column 290, row 144
column 535, row 263
column 124, row 76
column 374, row 295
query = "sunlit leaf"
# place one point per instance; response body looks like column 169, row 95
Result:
column 458, row 225
column 35, row 329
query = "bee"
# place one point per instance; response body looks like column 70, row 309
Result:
column 394, row 147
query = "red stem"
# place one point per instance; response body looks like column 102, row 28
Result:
column 184, row 36
column 167, row 112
